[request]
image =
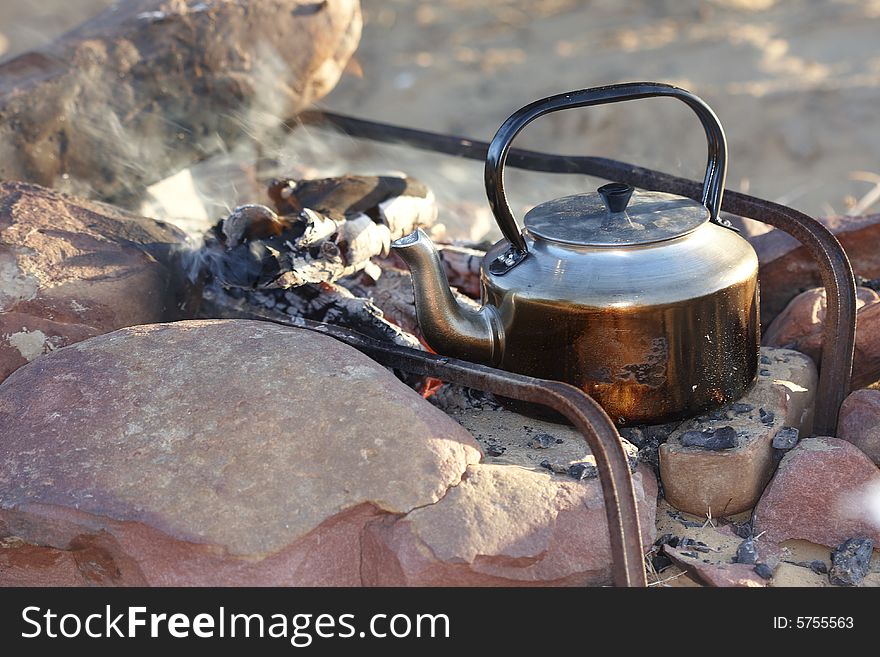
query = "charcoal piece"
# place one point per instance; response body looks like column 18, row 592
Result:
column 786, row 438
column 542, row 441
column 583, row 471
column 767, row 417
column 740, row 407
column 817, row 566
column 495, row 450
column 635, row 435
column 660, row 562
column 764, row 571
column 747, row 552
column 713, row 439
column 850, row 561
column 765, row 360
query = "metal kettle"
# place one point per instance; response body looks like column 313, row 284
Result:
column 646, row 301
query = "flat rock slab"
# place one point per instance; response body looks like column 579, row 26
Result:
column 504, row 525
column 71, row 269
column 859, row 422
column 824, row 491
column 218, row 452
column 728, row 481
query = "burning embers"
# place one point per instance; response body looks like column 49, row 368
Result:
column 314, row 256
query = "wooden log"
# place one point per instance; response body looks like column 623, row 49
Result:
column 148, row 87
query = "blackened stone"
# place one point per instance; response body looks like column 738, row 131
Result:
column 765, row 360
column 542, row 441
column 739, row 407
column 764, row 571
column 583, row 471
column 744, row 530
column 495, row 450
column 765, row 372
column 660, row 562
column 714, row 439
column 747, row 552
column 817, row 566
column 634, row 435
column 850, row 561
column 786, row 438
column 766, row 416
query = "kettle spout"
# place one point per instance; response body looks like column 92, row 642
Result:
column 450, row 327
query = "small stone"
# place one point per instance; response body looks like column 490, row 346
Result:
column 744, row 530
column 747, row 552
column 739, row 407
column 542, row 441
column 635, row 435
column 583, row 471
column 818, row 567
column 495, row 450
column 660, row 562
column 714, row 439
column 765, row 360
column 851, row 561
column 764, row 571
column 766, row 417
column 859, row 422
column 764, row 372
column 786, row 438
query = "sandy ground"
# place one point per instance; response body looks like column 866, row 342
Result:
column 796, row 85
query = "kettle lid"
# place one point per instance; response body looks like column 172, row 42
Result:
column 615, row 215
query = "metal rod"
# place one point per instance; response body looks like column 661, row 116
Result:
column 834, row 266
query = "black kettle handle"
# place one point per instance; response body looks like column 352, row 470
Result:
column 716, row 168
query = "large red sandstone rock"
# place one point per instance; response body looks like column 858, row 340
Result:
column 218, row 453
column 859, row 422
column 71, row 269
column 148, row 87
column 787, row 269
column 504, row 525
column 246, row 453
column 825, row 491
column 800, row 326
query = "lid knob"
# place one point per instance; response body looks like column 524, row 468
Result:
column 616, row 196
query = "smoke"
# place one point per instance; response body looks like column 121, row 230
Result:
column 861, row 505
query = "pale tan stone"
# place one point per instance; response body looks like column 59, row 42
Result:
column 726, row 482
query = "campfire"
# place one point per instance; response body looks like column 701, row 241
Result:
column 300, row 324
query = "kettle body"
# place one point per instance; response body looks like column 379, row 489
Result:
column 646, row 301
column 653, row 333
